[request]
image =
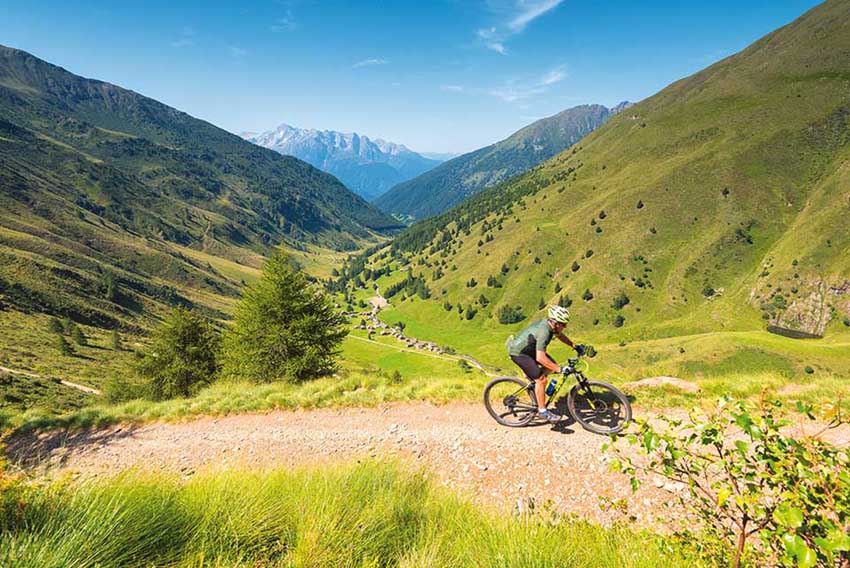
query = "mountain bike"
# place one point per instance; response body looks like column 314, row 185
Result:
column 599, row 407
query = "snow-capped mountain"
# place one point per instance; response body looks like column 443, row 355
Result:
column 368, row 167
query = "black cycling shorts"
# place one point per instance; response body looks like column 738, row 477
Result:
column 529, row 366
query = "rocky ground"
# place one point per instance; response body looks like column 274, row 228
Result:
column 460, row 444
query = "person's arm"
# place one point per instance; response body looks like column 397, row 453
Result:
column 547, row 362
column 565, row 339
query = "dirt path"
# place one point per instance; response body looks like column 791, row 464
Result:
column 69, row 384
column 459, row 443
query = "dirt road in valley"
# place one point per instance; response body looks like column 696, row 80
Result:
column 459, row 443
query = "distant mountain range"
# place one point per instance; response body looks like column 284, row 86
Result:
column 453, row 181
column 367, row 167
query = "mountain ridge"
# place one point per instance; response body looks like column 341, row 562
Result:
column 464, row 176
column 108, row 199
column 367, row 166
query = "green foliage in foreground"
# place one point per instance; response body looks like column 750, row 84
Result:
column 366, row 515
column 749, row 479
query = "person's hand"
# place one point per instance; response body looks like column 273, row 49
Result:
column 587, row 350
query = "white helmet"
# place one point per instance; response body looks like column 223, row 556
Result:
column 559, row 314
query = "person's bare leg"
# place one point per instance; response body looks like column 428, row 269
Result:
column 540, row 391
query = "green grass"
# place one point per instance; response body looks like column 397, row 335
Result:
column 371, row 514
column 361, row 382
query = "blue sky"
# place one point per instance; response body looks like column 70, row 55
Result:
column 442, row 76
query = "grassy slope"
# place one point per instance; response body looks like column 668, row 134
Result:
column 770, row 124
column 450, row 183
column 99, row 183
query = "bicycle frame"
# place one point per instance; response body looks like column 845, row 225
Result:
column 571, row 372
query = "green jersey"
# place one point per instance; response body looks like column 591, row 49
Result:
column 532, row 339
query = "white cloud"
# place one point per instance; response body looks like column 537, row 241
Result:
column 236, row 51
column 530, row 11
column 514, row 16
column 554, row 76
column 517, row 90
column 369, row 63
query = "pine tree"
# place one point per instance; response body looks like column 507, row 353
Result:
column 63, row 346
column 78, row 336
column 55, row 326
column 182, row 356
column 285, row 329
column 115, row 341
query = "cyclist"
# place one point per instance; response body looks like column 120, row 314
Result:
column 528, row 351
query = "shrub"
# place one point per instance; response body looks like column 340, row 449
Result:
column 575, row 267
column 565, row 301
column 510, row 314
column 640, row 204
column 587, row 296
column 115, row 341
column 619, row 320
column 470, row 313
column 182, row 357
column 809, row 370
column 54, row 326
column 588, row 253
column 745, row 479
column 78, row 336
column 557, row 287
column 708, row 291
column 620, row 301
column 63, row 346
column 847, row 321
column 284, row 329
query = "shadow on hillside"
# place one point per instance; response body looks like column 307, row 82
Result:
column 34, row 449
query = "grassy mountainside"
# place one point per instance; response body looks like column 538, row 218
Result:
column 105, row 194
column 717, row 205
column 450, row 183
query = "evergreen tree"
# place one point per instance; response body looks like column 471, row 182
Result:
column 55, row 326
column 63, row 346
column 284, row 329
column 115, row 340
column 182, row 356
column 78, row 336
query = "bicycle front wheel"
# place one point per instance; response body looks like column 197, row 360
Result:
column 510, row 401
column 599, row 407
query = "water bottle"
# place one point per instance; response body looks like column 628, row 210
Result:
column 550, row 390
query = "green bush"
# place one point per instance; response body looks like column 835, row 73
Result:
column 78, row 336
column 284, row 329
column 620, row 301
column 809, row 370
column 619, row 320
column 510, row 314
column 63, row 346
column 182, row 356
column 587, row 296
column 746, row 478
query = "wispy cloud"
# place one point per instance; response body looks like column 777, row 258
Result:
column 515, row 90
column 284, row 24
column 369, row 63
column 237, row 52
column 186, row 38
column 513, row 17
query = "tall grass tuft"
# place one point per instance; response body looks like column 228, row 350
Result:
column 369, row 514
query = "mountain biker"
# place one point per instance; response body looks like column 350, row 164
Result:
column 528, row 351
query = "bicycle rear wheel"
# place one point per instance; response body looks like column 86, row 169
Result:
column 510, row 401
column 599, row 407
